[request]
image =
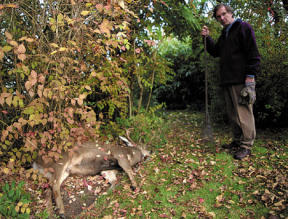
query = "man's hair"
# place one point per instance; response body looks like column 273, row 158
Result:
column 217, row 7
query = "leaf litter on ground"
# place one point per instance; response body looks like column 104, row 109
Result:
column 189, row 177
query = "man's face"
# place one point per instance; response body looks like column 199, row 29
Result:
column 225, row 18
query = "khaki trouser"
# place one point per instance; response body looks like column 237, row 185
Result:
column 241, row 117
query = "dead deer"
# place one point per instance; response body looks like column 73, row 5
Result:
column 90, row 159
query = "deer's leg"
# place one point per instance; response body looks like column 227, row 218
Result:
column 56, row 190
column 48, row 199
column 124, row 164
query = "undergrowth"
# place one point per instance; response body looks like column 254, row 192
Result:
column 188, row 177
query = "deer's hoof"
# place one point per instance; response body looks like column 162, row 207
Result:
column 62, row 216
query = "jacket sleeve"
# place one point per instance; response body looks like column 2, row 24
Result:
column 251, row 50
column 212, row 47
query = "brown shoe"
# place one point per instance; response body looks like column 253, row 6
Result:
column 232, row 145
column 242, row 153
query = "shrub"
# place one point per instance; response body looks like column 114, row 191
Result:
column 14, row 201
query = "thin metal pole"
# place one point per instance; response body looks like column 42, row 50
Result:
column 208, row 129
column 206, row 83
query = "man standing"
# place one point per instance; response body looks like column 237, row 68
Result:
column 239, row 63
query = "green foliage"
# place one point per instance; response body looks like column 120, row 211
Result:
column 272, row 103
column 178, row 17
column 14, row 201
column 146, row 128
column 186, row 88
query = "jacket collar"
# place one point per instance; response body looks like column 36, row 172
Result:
column 226, row 30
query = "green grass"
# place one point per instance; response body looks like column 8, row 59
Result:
column 190, row 178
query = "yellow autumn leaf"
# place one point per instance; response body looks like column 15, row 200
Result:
column 85, row 13
column 29, row 40
column 121, row 4
column 54, row 45
column 93, row 74
column 62, row 49
column 87, row 87
column 23, row 210
column 6, row 170
column 212, row 214
column 54, row 52
column 29, row 159
column 280, row 203
column 17, row 208
column 34, row 177
column 83, row 96
column 27, row 175
column 11, row 6
column 80, row 101
column 72, row 43
column 18, row 154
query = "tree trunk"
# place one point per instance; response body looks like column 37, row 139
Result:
column 141, row 93
column 152, row 80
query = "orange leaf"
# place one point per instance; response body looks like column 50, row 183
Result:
column 93, row 74
column 12, row 43
column 70, row 121
column 11, row 6
column 17, row 125
column 33, row 74
column 8, row 35
column 21, row 49
column 4, row 135
column 28, row 85
column 29, row 40
column 40, row 92
column 31, row 93
column 105, row 27
column 2, row 100
column 73, row 102
column 9, row 100
column 21, row 57
column 1, row 54
column 41, row 79
column 99, row 7
column 80, row 101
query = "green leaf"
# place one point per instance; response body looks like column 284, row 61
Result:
column 29, row 110
column 11, row 194
column 7, row 48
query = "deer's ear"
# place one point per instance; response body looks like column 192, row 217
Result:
column 125, row 140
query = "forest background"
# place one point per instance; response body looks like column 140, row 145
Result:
column 72, row 70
